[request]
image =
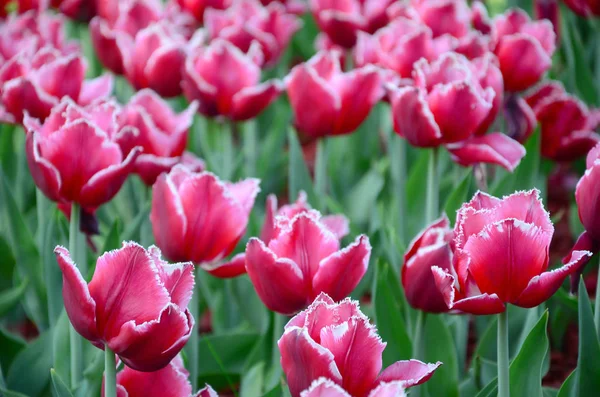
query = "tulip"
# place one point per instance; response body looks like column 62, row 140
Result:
column 226, row 81
column 341, row 20
column 207, row 391
column 566, row 124
column 303, row 260
column 79, row 10
column 146, row 329
column 584, row 8
column 520, row 118
column 248, row 21
column 198, row 7
column 147, row 121
column 296, row 7
column 336, row 341
column 452, row 17
column 549, row 9
column 73, row 156
column 197, row 217
column 524, row 48
column 501, row 255
column 430, row 248
column 327, row 101
column 480, row 18
column 23, row 6
column 324, row 387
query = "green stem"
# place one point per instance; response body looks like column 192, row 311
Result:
column 597, row 304
column 192, row 347
column 110, row 373
column 321, row 169
column 503, row 374
column 431, row 203
column 397, row 154
column 227, row 164
column 250, row 147
column 42, row 207
column 418, row 334
column 77, row 251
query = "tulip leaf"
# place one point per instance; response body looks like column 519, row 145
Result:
column 439, row 346
column 252, row 381
column 569, row 386
column 588, row 362
column 35, row 361
column 11, row 346
column 298, row 174
column 416, row 188
column 225, row 352
column 388, row 316
column 9, row 393
column 9, row 298
column 113, row 238
column 61, row 347
column 361, row 199
column 59, row 388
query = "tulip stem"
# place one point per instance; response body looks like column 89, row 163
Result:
column 597, row 303
column 250, row 148
column 418, row 335
column 77, row 250
column 192, row 346
column 110, row 373
column 397, row 154
column 432, row 198
column 503, row 362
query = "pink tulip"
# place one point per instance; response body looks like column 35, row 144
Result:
column 450, row 17
column 197, row 217
column 296, row 7
column 586, row 195
column 23, row 6
column 501, row 255
column 146, row 329
column 584, row 8
column 324, row 387
column 198, row 7
column 336, row 341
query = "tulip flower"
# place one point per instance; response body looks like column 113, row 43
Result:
column 425, row 113
column 226, row 81
column 336, row 341
column 567, row 125
column 430, row 248
column 524, row 48
column 502, row 254
column 23, row 6
column 73, row 156
column 451, row 17
column 324, row 387
column 341, row 20
column 247, row 21
column 198, row 7
column 520, row 118
column 197, row 217
column 296, row 7
column 146, row 329
column 549, row 9
column 327, row 101
column 147, row 121
column 207, row 391
column 303, row 260
column 584, row 8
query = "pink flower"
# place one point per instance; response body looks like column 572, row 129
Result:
column 586, row 194
column 341, row 20
column 303, row 260
column 336, row 341
column 197, row 217
column 524, row 48
column 79, row 10
column 429, row 248
column 550, row 10
column 198, row 7
column 327, row 101
column 501, row 255
column 147, row 121
column 451, row 17
column 247, row 21
column 22, row 6
column 584, row 8
column 145, row 329
column 297, row 7
column 566, row 124
column 520, row 118
column 324, row 387
column 73, row 156
column 226, row 81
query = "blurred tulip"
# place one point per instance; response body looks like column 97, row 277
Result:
column 584, row 8
column 247, row 21
column 341, row 20
column 520, row 118
column 73, row 156
column 198, row 7
column 207, row 391
column 586, row 195
column 336, row 341
column 22, row 6
column 197, row 217
column 501, row 255
column 297, row 7
column 430, row 248
column 524, row 48
column 149, row 122
column 79, row 10
column 324, row 387
column 566, row 124
column 226, row 81
column 146, row 329
column 550, row 10
column 452, row 17
column 303, row 260
column 480, row 18
column 327, row 101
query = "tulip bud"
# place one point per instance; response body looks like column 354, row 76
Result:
column 584, row 8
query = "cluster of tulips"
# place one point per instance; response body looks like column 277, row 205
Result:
column 445, row 75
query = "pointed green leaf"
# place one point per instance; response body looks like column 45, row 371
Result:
column 588, row 362
column 439, row 346
column 59, row 388
column 9, row 298
column 298, row 175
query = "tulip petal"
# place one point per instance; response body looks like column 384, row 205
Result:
column 21, row 94
column 149, row 167
column 542, row 287
column 172, row 380
column 324, row 312
column 207, row 391
column 340, row 273
column 104, row 40
column 324, row 387
column 495, row 148
column 44, row 173
column 245, row 192
column 410, row 373
column 389, row 389
column 523, row 61
column 279, row 282
column 63, row 77
column 79, row 304
column 250, row 101
column 178, row 278
column 337, row 224
column 227, row 269
column 98, row 88
column 413, row 119
column 163, row 70
column 303, row 360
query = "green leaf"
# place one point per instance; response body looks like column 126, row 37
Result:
column 569, row 386
column 8, row 299
column 9, row 393
column 59, row 388
column 113, row 238
column 226, row 352
column 458, row 195
column 252, row 381
column 298, row 175
column 11, row 346
column 588, row 364
column 249, row 304
column 439, row 346
column 527, row 173
column 132, row 231
column 361, row 199
column 61, row 346
column 388, row 316
column 416, row 188
column 35, row 361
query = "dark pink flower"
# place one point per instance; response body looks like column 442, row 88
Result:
column 336, row 341
column 341, row 20
column 524, row 48
column 248, row 21
column 297, row 7
column 226, row 81
column 198, row 7
column 429, row 248
column 73, row 156
column 149, row 122
column 327, row 101
column 207, row 391
column 303, row 260
column 451, row 17
column 587, row 193
column 79, row 10
column 566, row 123
column 520, row 118
column 23, row 6
column 550, row 10
column 145, row 329
column 584, row 8
column 480, row 18
column 324, row 387
column 501, row 255
column 197, row 217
